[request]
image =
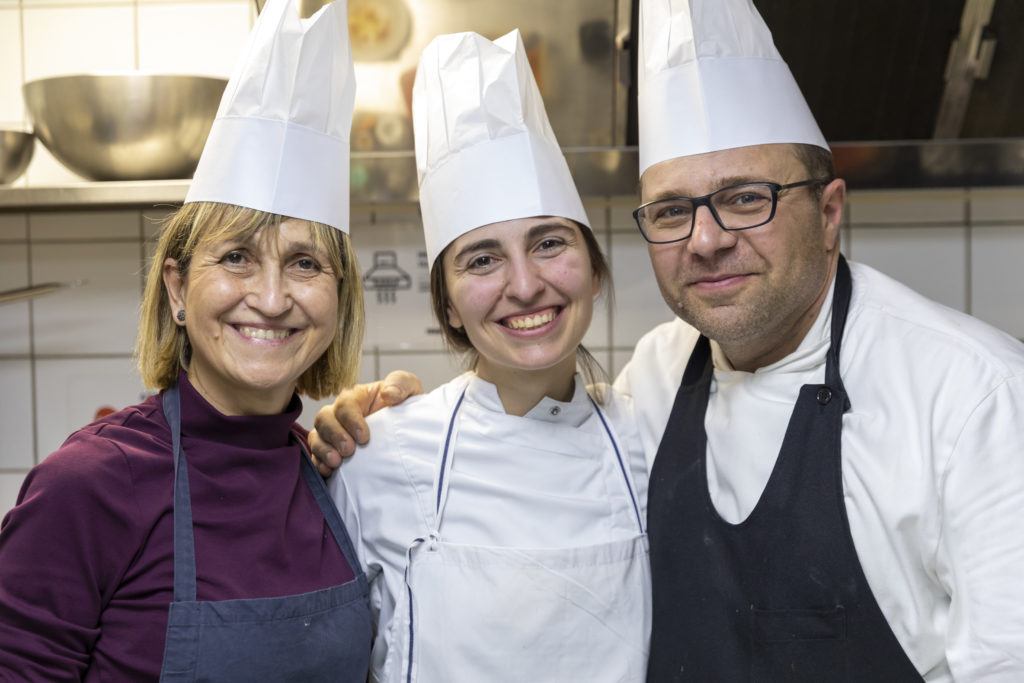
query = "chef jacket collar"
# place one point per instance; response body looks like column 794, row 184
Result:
column 573, row 413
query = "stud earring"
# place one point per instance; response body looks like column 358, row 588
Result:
column 181, row 315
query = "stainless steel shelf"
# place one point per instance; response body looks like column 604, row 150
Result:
column 390, row 177
column 94, row 195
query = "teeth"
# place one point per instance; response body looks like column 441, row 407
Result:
column 261, row 333
column 531, row 321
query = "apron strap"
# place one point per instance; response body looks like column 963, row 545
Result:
column 441, row 476
column 840, row 308
column 622, row 465
column 330, row 511
column 184, row 542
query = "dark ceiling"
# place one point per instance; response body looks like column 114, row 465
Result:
column 874, row 69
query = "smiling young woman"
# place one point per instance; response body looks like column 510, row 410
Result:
column 500, row 518
column 517, row 298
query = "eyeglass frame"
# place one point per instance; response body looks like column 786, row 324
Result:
column 705, row 200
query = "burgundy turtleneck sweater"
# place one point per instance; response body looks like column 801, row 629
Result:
column 86, row 555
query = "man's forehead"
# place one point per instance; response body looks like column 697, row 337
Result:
column 700, row 174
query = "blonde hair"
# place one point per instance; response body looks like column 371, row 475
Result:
column 163, row 347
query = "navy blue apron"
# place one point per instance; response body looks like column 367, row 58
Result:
column 781, row 596
column 323, row 635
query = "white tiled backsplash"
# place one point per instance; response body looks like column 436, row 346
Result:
column 66, row 355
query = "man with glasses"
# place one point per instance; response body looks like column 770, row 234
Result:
column 838, row 490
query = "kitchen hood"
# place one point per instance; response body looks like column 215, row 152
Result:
column 927, row 93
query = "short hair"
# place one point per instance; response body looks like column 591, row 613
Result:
column 163, row 348
column 457, row 341
column 818, row 163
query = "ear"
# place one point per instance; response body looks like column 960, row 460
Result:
column 597, row 285
column 833, row 197
column 454, row 319
column 174, row 283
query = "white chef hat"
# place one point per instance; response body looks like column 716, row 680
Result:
column 280, row 141
column 485, row 151
column 710, row 78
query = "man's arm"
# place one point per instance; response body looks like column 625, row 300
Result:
column 339, row 427
column 981, row 546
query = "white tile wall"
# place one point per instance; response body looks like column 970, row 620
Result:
column 1004, row 205
column 16, row 410
column 76, row 39
column 198, row 38
column 997, row 275
column 13, row 226
column 100, row 316
column 433, row 369
column 638, row 302
column 11, row 110
column 70, row 392
column 932, row 261
column 10, row 482
column 396, row 279
column 14, row 320
column 888, row 207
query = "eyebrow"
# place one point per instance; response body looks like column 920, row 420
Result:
column 718, row 185
column 531, row 234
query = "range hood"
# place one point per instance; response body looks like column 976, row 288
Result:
column 919, row 94
column 911, row 94
column 926, row 93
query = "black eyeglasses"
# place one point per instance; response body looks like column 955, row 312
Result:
column 737, row 207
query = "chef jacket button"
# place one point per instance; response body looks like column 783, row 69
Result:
column 824, row 396
column 556, row 410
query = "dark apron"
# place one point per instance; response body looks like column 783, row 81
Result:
column 323, row 635
column 780, row 596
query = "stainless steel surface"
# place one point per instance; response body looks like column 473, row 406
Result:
column 16, row 149
column 125, row 126
column 140, row 193
column 22, row 293
column 599, row 172
column 570, row 44
column 970, row 58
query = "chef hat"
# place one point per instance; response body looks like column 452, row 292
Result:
column 710, row 78
column 280, row 141
column 485, row 151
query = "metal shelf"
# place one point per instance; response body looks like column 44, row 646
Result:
column 390, row 177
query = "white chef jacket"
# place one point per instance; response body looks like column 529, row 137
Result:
column 549, row 479
column 932, row 461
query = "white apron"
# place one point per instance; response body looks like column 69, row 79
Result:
column 480, row 613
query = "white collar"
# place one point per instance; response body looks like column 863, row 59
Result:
column 573, row 412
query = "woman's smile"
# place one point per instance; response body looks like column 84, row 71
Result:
column 264, row 333
column 532, row 322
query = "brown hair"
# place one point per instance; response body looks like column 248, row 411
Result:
column 818, row 163
column 163, row 347
column 457, row 341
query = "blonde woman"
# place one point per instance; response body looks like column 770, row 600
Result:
column 188, row 537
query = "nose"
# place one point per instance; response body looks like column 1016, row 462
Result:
column 708, row 236
column 524, row 282
column 269, row 293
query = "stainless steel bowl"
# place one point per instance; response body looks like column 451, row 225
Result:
column 16, row 149
column 125, row 126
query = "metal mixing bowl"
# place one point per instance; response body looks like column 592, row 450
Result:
column 16, row 149
column 125, row 126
